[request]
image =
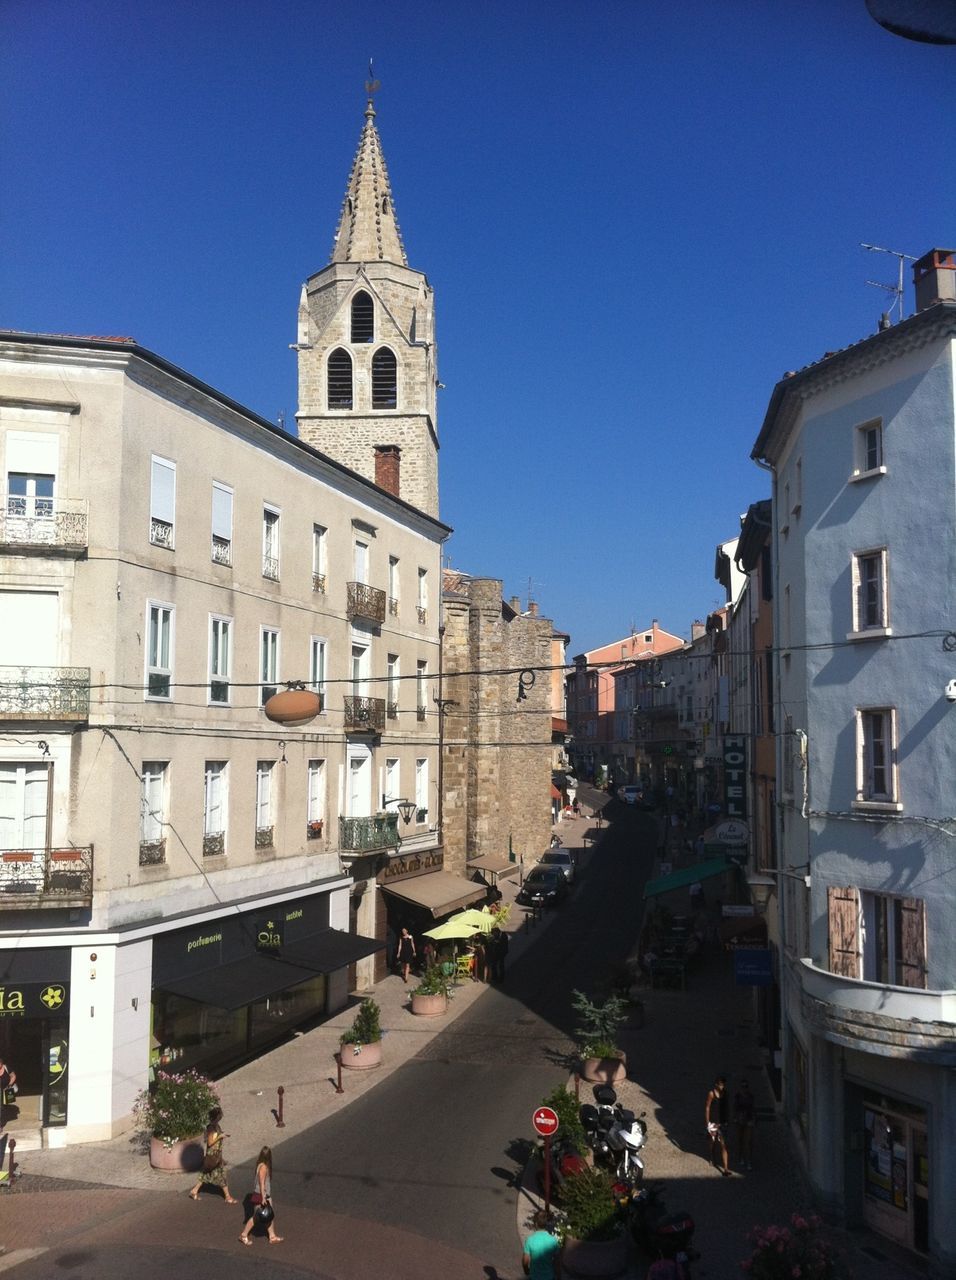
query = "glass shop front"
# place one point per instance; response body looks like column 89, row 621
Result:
column 34, row 1031
column 227, row 989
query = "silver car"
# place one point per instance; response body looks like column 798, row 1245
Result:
column 560, row 860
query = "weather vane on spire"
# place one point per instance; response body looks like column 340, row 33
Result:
column 371, row 84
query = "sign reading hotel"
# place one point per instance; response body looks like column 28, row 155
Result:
column 735, row 777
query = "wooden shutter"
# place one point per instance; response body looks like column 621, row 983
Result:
column 911, row 942
column 843, row 911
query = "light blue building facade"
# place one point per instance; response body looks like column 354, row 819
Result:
column 862, row 448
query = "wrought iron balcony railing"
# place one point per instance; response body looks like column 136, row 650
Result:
column 366, row 602
column 422, row 614
column 361, row 834
column 421, row 712
column 265, row 837
column 393, row 606
column 46, row 877
column 45, row 693
column 214, row 844
column 152, row 853
column 221, row 550
column 392, row 711
column 57, row 524
column 313, row 829
column 161, row 533
column 364, row 715
column 270, row 568
column 318, row 583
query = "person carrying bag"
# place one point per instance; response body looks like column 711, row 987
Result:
column 260, row 1200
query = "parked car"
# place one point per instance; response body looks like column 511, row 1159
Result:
column 631, row 794
column 543, row 887
column 561, row 860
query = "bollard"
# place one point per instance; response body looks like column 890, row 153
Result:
column 338, row 1082
column 280, row 1123
column 577, row 1087
column 11, row 1147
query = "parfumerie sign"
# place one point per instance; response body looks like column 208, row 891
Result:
column 735, row 777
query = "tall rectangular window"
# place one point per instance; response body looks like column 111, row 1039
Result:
column 392, row 686
column 162, row 502
column 220, row 659
column 221, row 524
column 393, row 596
column 869, row 591
column 421, row 790
column 876, row 772
column 421, row 688
column 265, row 818
column 423, row 595
column 317, row 666
column 360, row 669
column 270, row 543
column 23, row 806
column 214, row 809
column 268, row 663
column 316, row 799
column 159, row 651
column 894, row 940
column 152, row 811
column 319, row 553
column 361, row 561
column 392, row 789
column 32, row 463
column 868, row 448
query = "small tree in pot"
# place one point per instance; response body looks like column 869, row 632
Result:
column 430, row 997
column 597, row 1030
column 592, row 1225
column 362, row 1041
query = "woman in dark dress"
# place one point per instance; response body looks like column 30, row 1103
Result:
column 213, row 1166
column 405, row 954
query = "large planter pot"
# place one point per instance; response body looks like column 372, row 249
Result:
column 604, row 1070
column 361, row 1057
column 184, row 1156
column 431, row 1006
column 595, row 1257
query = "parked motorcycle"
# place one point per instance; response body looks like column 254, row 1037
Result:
column 660, row 1234
column 565, row 1163
column 615, row 1134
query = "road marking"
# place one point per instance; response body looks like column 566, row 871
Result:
column 10, row 1260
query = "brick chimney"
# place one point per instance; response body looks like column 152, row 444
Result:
column 388, row 460
column 935, row 278
column 514, row 604
column 533, row 608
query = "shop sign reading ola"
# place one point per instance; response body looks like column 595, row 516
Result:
column 33, row 1000
column 735, row 777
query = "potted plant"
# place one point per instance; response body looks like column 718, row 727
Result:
column 797, row 1250
column 592, row 1226
column 566, row 1107
column 430, row 997
column 362, row 1041
column 173, row 1114
column 601, row 1058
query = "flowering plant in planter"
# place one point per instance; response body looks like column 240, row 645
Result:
column 781, row 1253
column 176, row 1107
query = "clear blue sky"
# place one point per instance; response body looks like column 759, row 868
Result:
column 636, row 217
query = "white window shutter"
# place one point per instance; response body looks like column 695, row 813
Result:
column 163, row 491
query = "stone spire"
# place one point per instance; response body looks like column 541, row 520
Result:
column 368, row 230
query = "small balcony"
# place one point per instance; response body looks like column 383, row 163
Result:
column 265, row 837
column 270, row 568
column 897, row 1022
column 364, row 715
column 30, row 524
column 366, row 602
column 359, row 835
column 214, row 844
column 152, row 853
column 318, row 583
column 31, row 878
column 221, row 551
column 45, row 693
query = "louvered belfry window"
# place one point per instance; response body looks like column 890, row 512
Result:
column 363, row 318
column 384, row 380
column 340, row 380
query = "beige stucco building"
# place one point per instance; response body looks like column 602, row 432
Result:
column 168, row 560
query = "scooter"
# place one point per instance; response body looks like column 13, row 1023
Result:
column 615, row 1135
column 660, row 1234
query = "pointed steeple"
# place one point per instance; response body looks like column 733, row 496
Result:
column 368, row 230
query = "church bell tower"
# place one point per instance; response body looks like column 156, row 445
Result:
column 366, row 343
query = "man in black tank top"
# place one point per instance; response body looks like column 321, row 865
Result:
column 715, row 1117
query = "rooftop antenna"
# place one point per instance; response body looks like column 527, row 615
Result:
column 895, row 289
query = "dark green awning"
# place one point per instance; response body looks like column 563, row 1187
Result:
column 686, row 875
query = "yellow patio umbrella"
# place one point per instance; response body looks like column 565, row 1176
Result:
column 480, row 921
column 452, row 929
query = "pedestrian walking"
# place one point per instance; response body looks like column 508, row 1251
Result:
column 715, row 1117
column 479, row 969
column 8, row 1088
column 576, row 807
column 405, row 954
column 498, row 943
column 541, row 1258
column 744, row 1115
column 429, row 954
column 213, row 1173
column 260, row 1201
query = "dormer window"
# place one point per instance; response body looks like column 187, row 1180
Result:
column 363, row 318
column 384, row 380
column 340, row 380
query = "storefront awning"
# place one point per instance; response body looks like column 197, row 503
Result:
column 439, row 892
column 686, row 876
column 240, row 982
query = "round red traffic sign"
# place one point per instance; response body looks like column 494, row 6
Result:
column 545, row 1121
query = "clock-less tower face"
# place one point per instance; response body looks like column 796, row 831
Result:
column 366, row 344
